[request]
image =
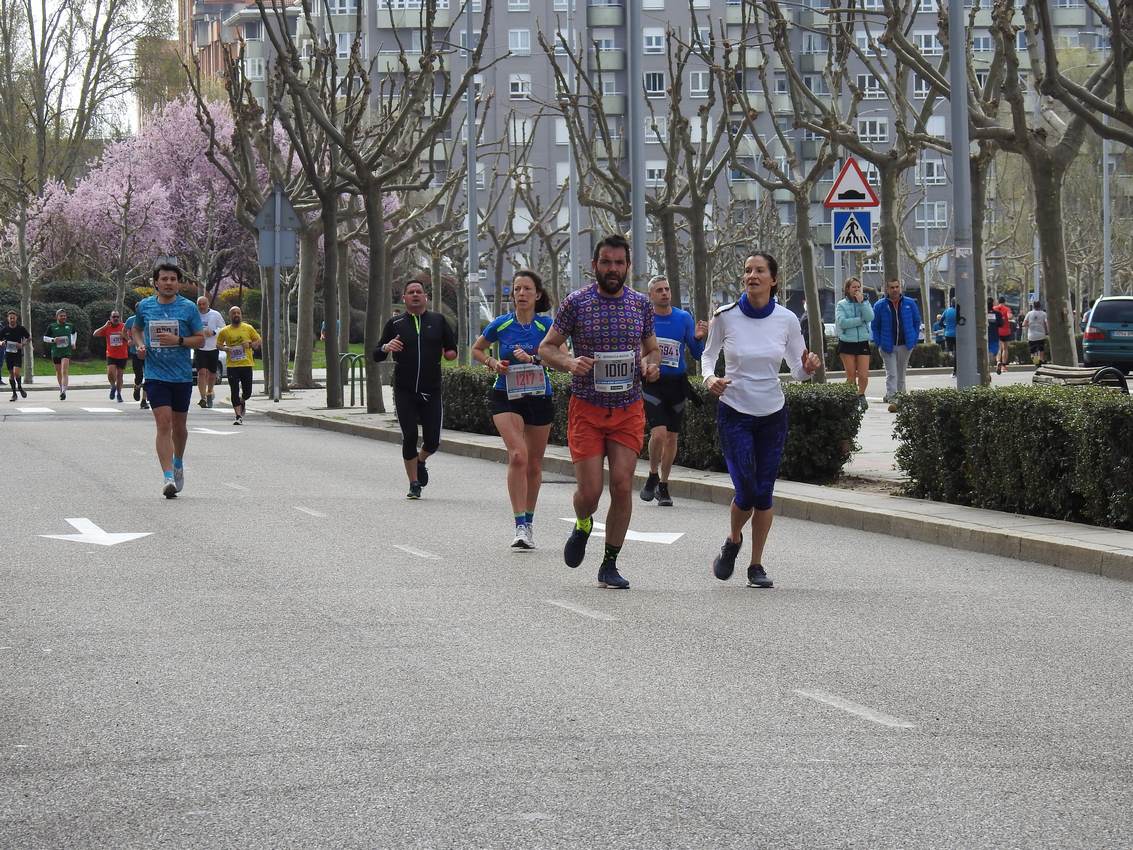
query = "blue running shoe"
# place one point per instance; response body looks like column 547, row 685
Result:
column 756, row 577
column 609, row 577
column 575, row 549
column 422, row 474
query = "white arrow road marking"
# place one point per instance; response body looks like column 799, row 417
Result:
column 35, row 410
column 91, row 533
column 308, row 511
column 863, row 711
column 103, row 409
column 666, row 537
column 420, row 553
column 234, row 486
column 210, row 431
column 578, row 609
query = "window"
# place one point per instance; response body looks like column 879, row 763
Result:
column 982, row 44
column 561, row 5
column 926, row 6
column 254, row 67
column 654, row 172
column 1067, row 41
column 1021, row 40
column 519, row 131
column 653, row 40
column 863, row 41
column 648, row 4
column 481, row 176
column 562, row 136
column 870, row 172
column 873, row 130
column 936, row 126
column 518, row 5
column 814, row 43
column 982, row 78
column 342, row 42
column 519, row 41
column 932, row 215
column 602, row 39
column 703, row 36
column 816, row 83
column 921, row 87
column 928, row 43
column 1068, row 4
column 254, row 31
column 694, row 129
column 609, row 86
column 519, row 86
column 655, row 84
column 657, row 130
column 871, row 264
column 562, row 173
column 698, row 82
column 870, row 86
column 782, row 84
column 930, row 172
column 562, row 41
column 342, row 7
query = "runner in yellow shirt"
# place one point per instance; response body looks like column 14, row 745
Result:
column 237, row 340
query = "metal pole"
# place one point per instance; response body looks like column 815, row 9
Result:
column 1107, row 222
column 574, row 272
column 276, row 358
column 1036, row 249
column 967, row 372
column 473, row 209
column 636, row 133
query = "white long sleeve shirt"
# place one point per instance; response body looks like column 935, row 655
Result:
column 753, row 352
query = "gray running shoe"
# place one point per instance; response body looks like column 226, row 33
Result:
column 179, row 477
column 168, row 489
column 757, row 577
column 725, row 563
column 664, row 500
column 414, row 491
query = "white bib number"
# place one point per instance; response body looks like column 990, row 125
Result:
column 670, row 352
column 116, row 339
column 62, row 342
column 236, row 352
column 524, row 379
column 614, row 371
column 160, row 326
column 12, row 346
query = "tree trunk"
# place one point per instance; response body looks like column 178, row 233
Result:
column 498, row 290
column 810, row 283
column 667, row 223
column 979, row 171
column 377, row 297
column 329, row 215
column 462, row 324
column 266, row 326
column 698, row 239
column 25, row 293
column 887, row 224
column 301, row 377
column 438, row 288
column 345, row 274
column 1047, row 177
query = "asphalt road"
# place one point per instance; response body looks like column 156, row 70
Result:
column 267, row 668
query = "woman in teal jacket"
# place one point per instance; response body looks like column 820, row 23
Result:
column 852, row 317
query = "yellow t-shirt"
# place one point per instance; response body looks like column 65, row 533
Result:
column 242, row 336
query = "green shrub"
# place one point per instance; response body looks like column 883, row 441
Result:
column 822, row 436
column 251, row 306
column 133, row 296
column 81, row 292
column 9, row 298
column 1051, row 451
column 226, row 300
column 43, row 315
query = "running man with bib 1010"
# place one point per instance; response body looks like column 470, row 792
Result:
column 14, row 337
column 611, row 329
column 166, row 327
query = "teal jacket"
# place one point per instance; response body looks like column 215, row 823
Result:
column 852, row 320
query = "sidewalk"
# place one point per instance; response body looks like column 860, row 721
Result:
column 1084, row 548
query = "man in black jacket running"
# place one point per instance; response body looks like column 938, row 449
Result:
column 417, row 339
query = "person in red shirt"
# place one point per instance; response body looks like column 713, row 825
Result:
column 117, row 352
column 1003, row 356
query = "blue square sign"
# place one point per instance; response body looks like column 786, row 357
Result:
column 853, row 230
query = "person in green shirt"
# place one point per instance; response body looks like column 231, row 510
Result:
column 61, row 339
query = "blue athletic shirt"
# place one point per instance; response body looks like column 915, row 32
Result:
column 508, row 333
column 130, row 336
column 173, row 365
column 679, row 327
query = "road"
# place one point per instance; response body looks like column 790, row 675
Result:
column 269, row 668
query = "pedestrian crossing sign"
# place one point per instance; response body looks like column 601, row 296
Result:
column 853, row 230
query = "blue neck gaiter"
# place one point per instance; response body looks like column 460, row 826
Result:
column 752, row 312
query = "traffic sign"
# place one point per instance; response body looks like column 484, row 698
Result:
column 288, row 225
column 851, row 189
column 853, row 230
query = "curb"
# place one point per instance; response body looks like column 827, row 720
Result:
column 895, row 516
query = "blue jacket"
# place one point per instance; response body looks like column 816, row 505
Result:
column 949, row 319
column 885, row 331
column 852, row 320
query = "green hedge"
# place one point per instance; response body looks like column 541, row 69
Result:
column 824, row 423
column 1057, row 452
column 81, row 292
column 923, row 356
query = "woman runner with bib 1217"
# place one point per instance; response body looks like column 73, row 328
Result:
column 520, row 400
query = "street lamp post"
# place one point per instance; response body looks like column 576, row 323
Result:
column 1107, row 222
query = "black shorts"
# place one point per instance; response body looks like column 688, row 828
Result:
column 208, row 360
column 169, row 394
column 13, row 359
column 58, row 360
column 535, row 409
column 1036, row 346
column 856, row 349
column 665, row 401
column 950, row 344
column 139, row 368
column 120, row 362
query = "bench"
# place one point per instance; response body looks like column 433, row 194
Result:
column 1081, row 376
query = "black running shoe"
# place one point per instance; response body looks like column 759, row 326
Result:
column 144, row 405
column 202, row 402
column 63, row 395
column 663, row 497
column 725, row 563
column 609, row 577
column 650, row 488
column 169, row 488
column 414, row 491
column 23, row 393
column 13, row 398
column 756, row 577
column 575, row 549
column 137, row 392
column 422, row 474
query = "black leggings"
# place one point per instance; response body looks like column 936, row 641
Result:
column 414, row 410
column 240, row 383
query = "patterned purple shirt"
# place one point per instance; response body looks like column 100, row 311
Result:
column 595, row 323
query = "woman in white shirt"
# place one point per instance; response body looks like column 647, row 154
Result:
column 756, row 335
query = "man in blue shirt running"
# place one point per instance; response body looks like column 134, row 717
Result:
column 166, row 327
column 665, row 398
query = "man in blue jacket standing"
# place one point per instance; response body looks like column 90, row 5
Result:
column 896, row 327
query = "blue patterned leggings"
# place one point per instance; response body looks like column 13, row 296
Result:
column 753, row 449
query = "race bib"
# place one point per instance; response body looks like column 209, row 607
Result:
column 670, row 352
column 12, row 346
column 524, row 379
column 62, row 342
column 236, row 352
column 614, row 371
column 116, row 339
column 160, row 326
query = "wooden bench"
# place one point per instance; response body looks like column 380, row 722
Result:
column 1082, row 376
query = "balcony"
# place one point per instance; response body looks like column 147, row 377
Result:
column 385, row 19
column 747, row 147
column 438, row 152
column 614, row 104
column 389, row 62
column 1075, row 18
column 813, row 18
column 783, row 196
column 781, row 104
column 735, row 13
column 820, row 190
column 810, row 149
column 614, row 151
column 745, row 190
column 609, row 60
column 605, row 15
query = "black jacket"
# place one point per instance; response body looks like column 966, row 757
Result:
column 418, row 365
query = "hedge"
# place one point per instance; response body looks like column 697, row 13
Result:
column 822, row 436
column 81, row 292
column 1059, row 452
column 924, row 355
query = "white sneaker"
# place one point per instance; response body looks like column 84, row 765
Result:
column 521, row 541
column 530, row 534
column 179, row 477
column 168, row 489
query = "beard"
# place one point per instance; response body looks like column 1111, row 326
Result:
column 611, row 283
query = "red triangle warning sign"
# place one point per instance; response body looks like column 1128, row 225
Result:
column 851, row 189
